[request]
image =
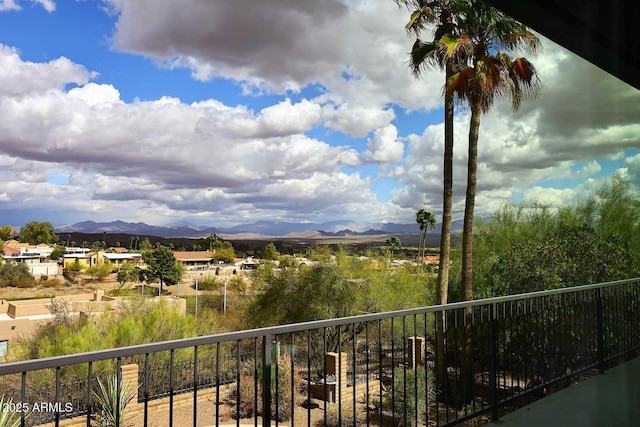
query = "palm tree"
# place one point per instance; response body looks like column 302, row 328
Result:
column 426, row 220
column 424, row 57
column 476, row 46
column 394, row 243
column 485, row 70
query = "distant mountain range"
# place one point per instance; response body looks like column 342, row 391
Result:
column 260, row 228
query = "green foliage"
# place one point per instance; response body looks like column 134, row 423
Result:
column 341, row 286
column 270, row 252
column 75, row 266
column 127, row 273
column 161, row 265
column 285, row 375
column 6, row 232
column 525, row 249
column 405, row 398
column 38, row 232
column 146, row 245
column 58, row 252
column 224, row 250
column 9, row 418
column 138, row 322
column 113, row 402
column 100, row 271
column 15, row 274
column 209, row 283
column 237, row 284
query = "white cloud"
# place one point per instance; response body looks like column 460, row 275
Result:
column 9, row 5
column 167, row 156
column 19, row 78
column 6, row 5
column 384, row 146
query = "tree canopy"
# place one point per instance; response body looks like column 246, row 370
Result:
column 6, row 232
column 161, row 265
column 38, row 232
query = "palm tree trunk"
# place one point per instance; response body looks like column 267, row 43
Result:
column 442, row 289
column 467, row 253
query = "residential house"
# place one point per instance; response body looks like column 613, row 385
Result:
column 36, row 257
column 195, row 260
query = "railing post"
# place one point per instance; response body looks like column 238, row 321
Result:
column 493, row 362
column 600, row 330
column 266, row 381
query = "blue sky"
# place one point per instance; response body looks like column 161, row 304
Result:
column 226, row 112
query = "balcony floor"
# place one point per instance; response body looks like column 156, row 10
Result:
column 611, row 399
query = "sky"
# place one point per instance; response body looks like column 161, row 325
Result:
column 221, row 112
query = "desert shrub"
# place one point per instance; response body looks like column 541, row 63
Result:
column 99, row 272
column 237, row 284
column 282, row 396
column 208, row 283
column 16, row 274
column 334, row 419
column 247, row 405
column 405, row 397
column 50, row 283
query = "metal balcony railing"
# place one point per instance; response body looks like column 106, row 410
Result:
column 439, row 365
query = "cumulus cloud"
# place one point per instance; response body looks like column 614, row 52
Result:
column 20, row 78
column 358, row 51
column 167, row 156
column 384, row 146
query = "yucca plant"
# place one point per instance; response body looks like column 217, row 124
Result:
column 8, row 417
column 113, row 402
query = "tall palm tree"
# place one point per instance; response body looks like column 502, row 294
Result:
column 485, row 70
column 426, row 220
column 476, row 46
column 424, row 57
column 420, row 220
column 394, row 243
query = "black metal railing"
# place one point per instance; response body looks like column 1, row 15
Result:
column 441, row 365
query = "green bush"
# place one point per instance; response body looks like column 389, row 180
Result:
column 405, row 397
column 237, row 284
column 16, row 274
column 51, row 283
column 208, row 283
column 284, row 397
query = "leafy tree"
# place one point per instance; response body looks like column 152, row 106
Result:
column 38, row 232
column 15, row 274
column 58, row 252
column 6, row 232
column 270, row 252
column 127, row 273
column 146, row 245
column 161, row 265
column 99, row 271
column 528, row 248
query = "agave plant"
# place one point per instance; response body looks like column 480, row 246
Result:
column 8, row 417
column 113, row 403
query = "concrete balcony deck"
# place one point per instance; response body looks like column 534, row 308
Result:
column 609, row 399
